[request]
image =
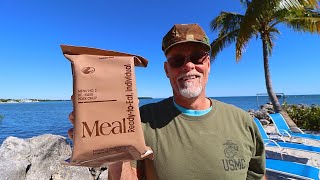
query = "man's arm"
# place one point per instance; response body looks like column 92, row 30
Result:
column 257, row 164
column 121, row 171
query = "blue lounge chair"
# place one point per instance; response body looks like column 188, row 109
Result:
column 292, row 169
column 284, row 130
column 282, row 145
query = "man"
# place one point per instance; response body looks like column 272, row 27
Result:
column 192, row 136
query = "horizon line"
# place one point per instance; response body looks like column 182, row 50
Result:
column 141, row 97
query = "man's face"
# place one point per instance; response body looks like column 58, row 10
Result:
column 187, row 67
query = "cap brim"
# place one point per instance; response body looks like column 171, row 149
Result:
column 187, row 41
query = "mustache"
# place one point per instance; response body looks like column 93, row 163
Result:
column 189, row 74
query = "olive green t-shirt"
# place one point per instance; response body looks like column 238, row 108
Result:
column 222, row 144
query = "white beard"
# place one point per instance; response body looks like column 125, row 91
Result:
column 190, row 90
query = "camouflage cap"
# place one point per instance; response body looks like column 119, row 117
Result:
column 181, row 33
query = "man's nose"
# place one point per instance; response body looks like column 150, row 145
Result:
column 188, row 65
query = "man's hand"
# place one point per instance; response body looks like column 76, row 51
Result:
column 70, row 131
column 71, row 118
column 121, row 171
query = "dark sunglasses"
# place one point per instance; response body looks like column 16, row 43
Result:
column 179, row 60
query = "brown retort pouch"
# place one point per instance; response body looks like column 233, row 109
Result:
column 107, row 125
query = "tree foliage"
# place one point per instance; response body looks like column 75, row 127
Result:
column 260, row 20
column 306, row 117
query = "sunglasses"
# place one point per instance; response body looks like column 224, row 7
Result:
column 197, row 57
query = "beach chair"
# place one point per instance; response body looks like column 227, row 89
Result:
column 292, row 169
column 284, row 145
column 284, row 130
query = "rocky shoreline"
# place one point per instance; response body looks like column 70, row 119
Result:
column 39, row 158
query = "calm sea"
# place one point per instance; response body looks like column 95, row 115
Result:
column 26, row 120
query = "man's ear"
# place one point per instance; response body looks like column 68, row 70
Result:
column 209, row 65
column 165, row 66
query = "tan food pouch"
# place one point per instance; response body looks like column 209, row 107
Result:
column 107, row 125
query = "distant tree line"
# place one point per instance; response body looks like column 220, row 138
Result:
column 21, row 100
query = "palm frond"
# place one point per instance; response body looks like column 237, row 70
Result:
column 241, row 44
column 273, row 25
column 286, row 4
column 310, row 3
column 311, row 24
column 290, row 4
column 223, row 41
column 271, row 38
column 248, row 28
column 226, row 22
column 273, row 30
column 293, row 4
column 260, row 14
column 307, row 20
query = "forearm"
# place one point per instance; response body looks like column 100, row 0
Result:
column 121, row 171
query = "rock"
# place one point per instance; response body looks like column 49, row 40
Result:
column 13, row 153
column 261, row 114
column 267, row 107
column 103, row 175
column 251, row 112
column 39, row 158
column 264, row 122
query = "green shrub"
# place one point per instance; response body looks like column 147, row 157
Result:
column 306, row 117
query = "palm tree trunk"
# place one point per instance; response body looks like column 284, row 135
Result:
column 272, row 96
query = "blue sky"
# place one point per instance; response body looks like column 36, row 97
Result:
column 32, row 65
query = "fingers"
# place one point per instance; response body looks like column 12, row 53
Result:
column 71, row 117
column 72, row 99
column 70, row 133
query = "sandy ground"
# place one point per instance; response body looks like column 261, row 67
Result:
column 303, row 157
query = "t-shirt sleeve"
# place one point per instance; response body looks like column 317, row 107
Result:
column 257, row 164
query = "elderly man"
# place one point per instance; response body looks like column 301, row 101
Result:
column 192, row 136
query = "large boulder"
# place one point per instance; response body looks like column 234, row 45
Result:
column 39, row 158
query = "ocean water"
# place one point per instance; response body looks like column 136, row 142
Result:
column 25, row 120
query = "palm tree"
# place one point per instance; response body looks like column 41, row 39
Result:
column 261, row 19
